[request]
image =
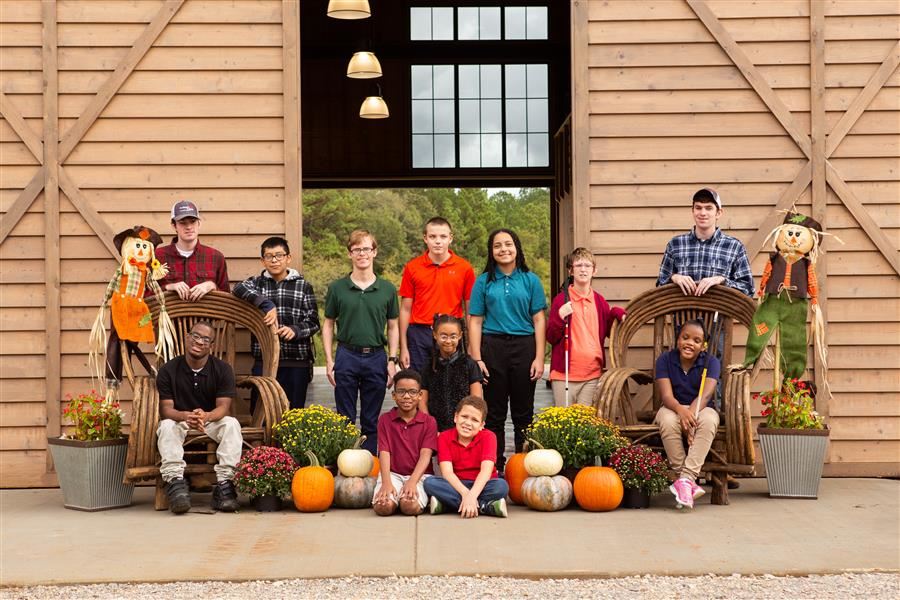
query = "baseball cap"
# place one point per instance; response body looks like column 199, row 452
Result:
column 707, row 195
column 184, row 209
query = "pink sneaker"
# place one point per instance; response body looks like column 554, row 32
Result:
column 683, row 493
column 696, row 490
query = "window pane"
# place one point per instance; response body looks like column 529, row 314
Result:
column 515, row 23
column 537, row 23
column 490, row 81
column 515, row 117
column 489, row 27
column 421, row 81
column 492, row 150
column 444, row 151
column 537, row 81
column 422, row 151
column 468, row 81
column 538, row 150
column 468, row 116
column 444, row 116
column 441, row 23
column 421, row 116
column 469, row 150
column 443, row 81
column 515, row 81
column 491, row 116
column 467, row 23
column 516, row 150
column 537, row 115
column 419, row 23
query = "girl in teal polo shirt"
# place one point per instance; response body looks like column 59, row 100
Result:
column 506, row 336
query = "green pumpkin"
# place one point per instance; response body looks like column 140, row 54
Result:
column 353, row 492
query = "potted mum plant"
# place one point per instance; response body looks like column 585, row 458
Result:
column 265, row 474
column 578, row 434
column 90, row 462
column 318, row 429
column 643, row 472
column 793, row 441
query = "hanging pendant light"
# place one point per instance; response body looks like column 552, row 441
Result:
column 349, row 9
column 364, row 65
column 374, row 107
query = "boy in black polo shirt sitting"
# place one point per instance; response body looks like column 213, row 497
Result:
column 195, row 392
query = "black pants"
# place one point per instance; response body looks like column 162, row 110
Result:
column 508, row 359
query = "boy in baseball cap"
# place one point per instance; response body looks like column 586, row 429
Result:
column 194, row 269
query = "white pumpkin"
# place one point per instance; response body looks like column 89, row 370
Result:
column 547, row 494
column 355, row 462
column 543, row 461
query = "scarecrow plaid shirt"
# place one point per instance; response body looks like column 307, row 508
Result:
column 293, row 297
column 719, row 255
column 205, row 264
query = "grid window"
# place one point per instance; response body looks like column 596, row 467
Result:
column 430, row 23
column 478, row 23
column 433, row 116
column 525, row 23
column 526, row 102
column 480, row 116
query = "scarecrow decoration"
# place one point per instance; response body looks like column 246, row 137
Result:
column 131, row 320
column 787, row 289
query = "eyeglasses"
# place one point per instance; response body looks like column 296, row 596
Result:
column 201, row 339
column 452, row 337
column 583, row 266
column 407, row 393
column 361, row 251
column 274, row 257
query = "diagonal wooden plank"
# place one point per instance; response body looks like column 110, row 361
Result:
column 115, row 81
column 12, row 217
column 81, row 204
column 751, row 74
column 862, row 217
column 21, row 127
column 788, row 198
column 861, row 102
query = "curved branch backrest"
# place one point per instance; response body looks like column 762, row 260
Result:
column 656, row 305
column 225, row 312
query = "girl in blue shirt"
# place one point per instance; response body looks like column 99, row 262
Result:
column 506, row 336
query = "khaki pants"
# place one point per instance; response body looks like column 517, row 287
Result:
column 397, row 482
column 170, row 440
column 670, row 431
column 580, row 392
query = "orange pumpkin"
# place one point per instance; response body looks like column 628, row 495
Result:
column 515, row 475
column 312, row 487
column 598, row 489
column 376, row 467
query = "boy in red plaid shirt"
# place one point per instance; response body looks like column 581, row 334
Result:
column 194, row 269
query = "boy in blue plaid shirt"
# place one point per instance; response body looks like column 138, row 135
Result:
column 289, row 304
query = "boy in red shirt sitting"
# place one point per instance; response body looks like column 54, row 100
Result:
column 466, row 456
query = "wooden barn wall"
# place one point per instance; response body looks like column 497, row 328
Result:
column 193, row 99
column 663, row 105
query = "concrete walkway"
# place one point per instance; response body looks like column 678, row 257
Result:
column 854, row 526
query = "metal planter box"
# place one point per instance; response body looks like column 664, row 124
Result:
column 91, row 473
column 794, row 460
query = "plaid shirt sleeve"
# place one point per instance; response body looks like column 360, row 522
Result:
column 741, row 277
column 307, row 313
column 667, row 266
column 249, row 291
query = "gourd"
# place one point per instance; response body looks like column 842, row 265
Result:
column 312, row 487
column 353, row 492
column 376, row 467
column 515, row 475
column 547, row 493
column 598, row 489
column 543, row 461
column 355, row 462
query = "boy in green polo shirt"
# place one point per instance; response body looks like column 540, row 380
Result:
column 361, row 305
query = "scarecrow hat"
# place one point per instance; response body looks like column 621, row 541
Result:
column 802, row 220
column 138, row 231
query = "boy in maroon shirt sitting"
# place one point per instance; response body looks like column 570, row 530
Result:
column 466, row 457
column 407, row 439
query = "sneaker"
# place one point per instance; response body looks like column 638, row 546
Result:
column 179, row 496
column 224, row 497
column 682, row 491
column 497, row 508
column 434, row 506
column 696, row 490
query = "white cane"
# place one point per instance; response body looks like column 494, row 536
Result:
column 566, row 349
column 705, row 366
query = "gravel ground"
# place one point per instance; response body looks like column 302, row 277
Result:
column 846, row 586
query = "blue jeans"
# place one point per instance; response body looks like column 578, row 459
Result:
column 293, row 380
column 363, row 376
column 440, row 488
column 419, row 342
